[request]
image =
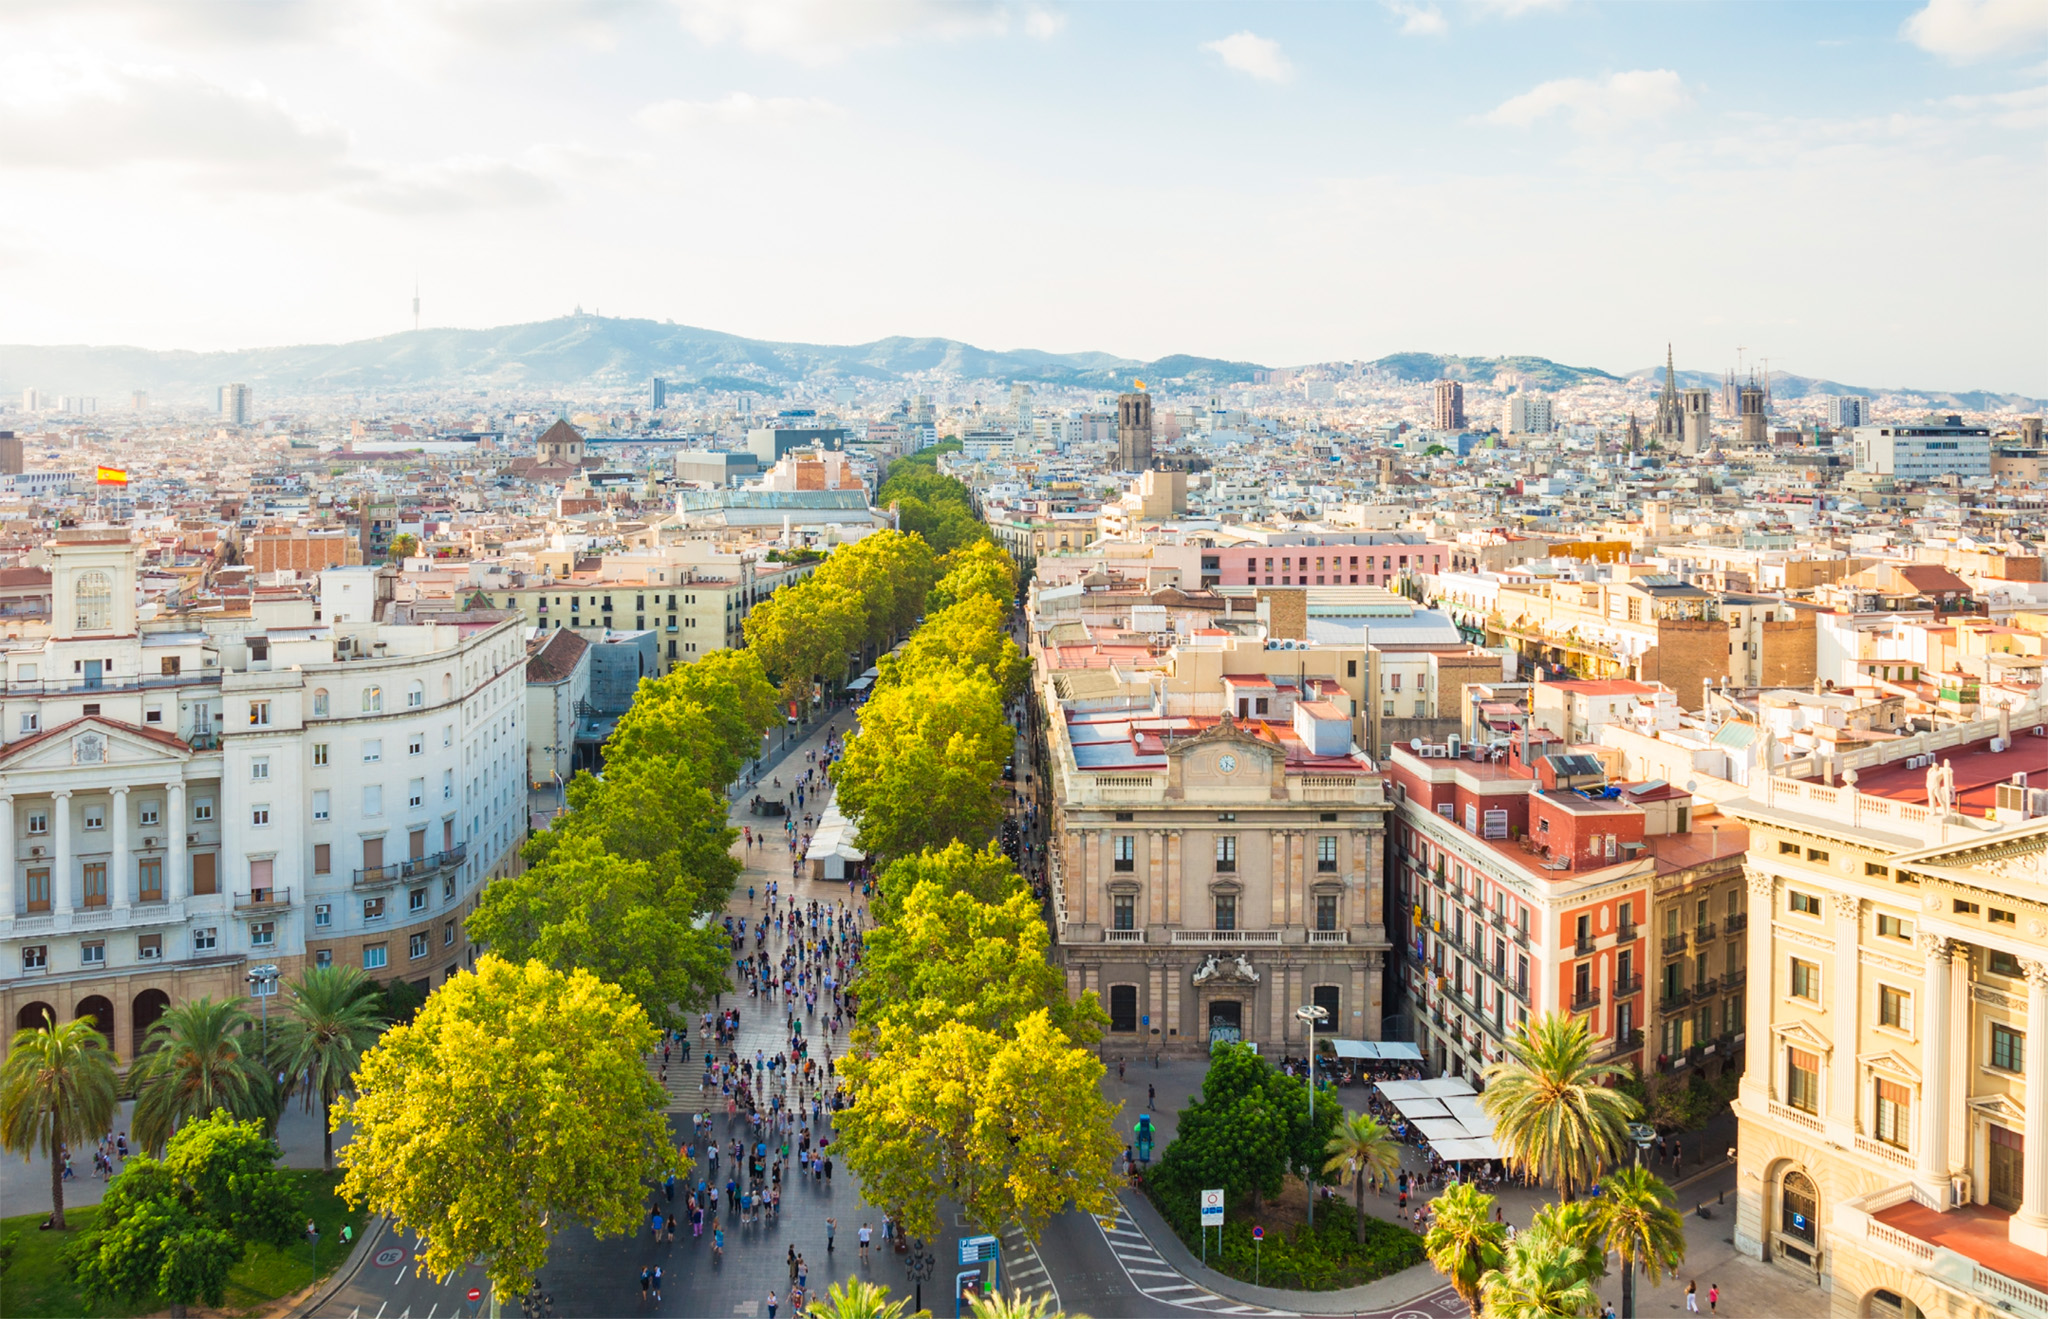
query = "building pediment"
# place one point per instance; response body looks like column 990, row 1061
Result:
column 2014, row 854
column 2000, row 1109
column 1225, row 761
column 1803, row 1035
column 93, row 742
column 1891, row 1062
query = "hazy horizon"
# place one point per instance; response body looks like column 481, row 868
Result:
column 1845, row 190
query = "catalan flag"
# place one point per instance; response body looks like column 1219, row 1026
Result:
column 113, row 476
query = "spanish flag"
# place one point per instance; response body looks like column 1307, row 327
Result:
column 113, row 476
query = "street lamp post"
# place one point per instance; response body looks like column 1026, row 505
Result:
column 263, row 982
column 1309, row 1015
column 1640, row 1134
column 919, row 1263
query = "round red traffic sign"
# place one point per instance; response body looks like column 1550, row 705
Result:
column 476, row 1294
column 1258, row 1234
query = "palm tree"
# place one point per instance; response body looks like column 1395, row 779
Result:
column 858, row 1299
column 1551, row 1114
column 1463, row 1241
column 56, row 1090
column 1543, row 1277
column 192, row 1063
column 1575, row 1223
column 1637, row 1218
column 331, row 1020
column 1013, row 1306
column 1362, row 1146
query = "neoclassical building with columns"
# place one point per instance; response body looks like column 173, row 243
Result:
column 1898, row 1030
column 186, row 796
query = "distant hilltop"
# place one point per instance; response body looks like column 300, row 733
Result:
column 599, row 352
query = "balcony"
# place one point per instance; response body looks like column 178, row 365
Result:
column 1521, row 933
column 262, row 900
column 1123, row 936
column 1966, row 1249
column 1672, row 1003
column 1585, row 1000
column 1707, row 988
column 1704, row 934
column 1624, row 986
column 1625, row 934
column 422, row 866
column 377, row 876
column 1329, row 936
column 1734, row 979
column 1736, row 924
column 1582, row 948
column 1674, row 943
column 1520, row 990
column 1225, row 938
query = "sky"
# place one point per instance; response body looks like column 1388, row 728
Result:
column 1852, row 190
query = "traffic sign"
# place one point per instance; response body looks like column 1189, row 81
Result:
column 476, row 1294
column 1258, row 1234
column 1212, row 1208
column 389, row 1256
column 976, row 1250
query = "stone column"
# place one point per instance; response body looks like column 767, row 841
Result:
column 1091, row 876
column 10, row 868
column 2029, row 1227
column 1175, row 879
column 177, row 883
column 1844, row 1011
column 1155, row 867
column 1276, row 882
column 1930, row 1157
column 1297, row 878
column 61, row 864
column 1759, row 1070
column 118, row 864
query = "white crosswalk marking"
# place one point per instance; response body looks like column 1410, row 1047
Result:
column 1141, row 1263
column 1023, row 1270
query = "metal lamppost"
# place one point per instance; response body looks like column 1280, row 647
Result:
column 1309, row 1015
column 919, row 1263
column 263, row 983
column 1640, row 1134
column 555, row 765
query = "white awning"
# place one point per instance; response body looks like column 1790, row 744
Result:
column 1476, row 1147
column 1378, row 1050
column 1440, row 1087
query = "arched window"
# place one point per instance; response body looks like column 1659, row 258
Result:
column 319, row 702
column 95, row 597
column 1802, row 1206
column 373, row 700
column 447, row 686
column 416, row 695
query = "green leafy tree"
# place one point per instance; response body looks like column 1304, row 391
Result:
column 889, row 572
column 200, row 1056
column 1012, row 1128
column 655, row 810
column 174, row 1227
column 980, row 568
column 1248, row 1130
column 330, row 1019
column 711, row 713
column 804, row 634
column 956, row 868
column 1636, row 1217
column 1362, row 1147
column 56, row 1091
column 967, row 637
column 949, row 956
column 516, row 1103
column 922, row 771
column 593, row 910
column 1463, row 1242
column 1551, row 1114
column 1541, row 1277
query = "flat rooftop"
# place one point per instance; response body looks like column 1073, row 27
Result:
column 1978, row 769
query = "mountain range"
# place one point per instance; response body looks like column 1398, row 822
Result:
column 588, row 351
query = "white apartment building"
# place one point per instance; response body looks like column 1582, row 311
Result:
column 182, row 800
column 1926, row 452
column 1527, row 414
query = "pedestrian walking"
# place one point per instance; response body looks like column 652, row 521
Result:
column 1150, row 1096
column 1692, row 1297
column 831, row 1226
column 866, row 1234
column 771, row 1303
column 657, row 1284
column 1713, row 1297
column 646, row 1283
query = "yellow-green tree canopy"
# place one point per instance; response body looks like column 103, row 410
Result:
column 956, row 868
column 515, row 1103
column 967, row 637
column 923, row 769
column 805, row 633
column 889, row 572
column 979, row 567
column 949, row 956
column 712, row 712
column 1013, row 1128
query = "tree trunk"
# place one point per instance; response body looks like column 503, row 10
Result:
column 56, row 1185
column 1358, row 1186
column 1628, row 1289
column 326, row 1130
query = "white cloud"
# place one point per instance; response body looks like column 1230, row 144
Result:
column 1597, row 105
column 466, row 183
column 821, row 31
column 1253, row 55
column 1419, row 20
column 1517, row 8
column 738, row 108
column 1972, row 29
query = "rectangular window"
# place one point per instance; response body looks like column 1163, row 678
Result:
column 373, row 909
column 416, row 744
column 259, row 767
column 1817, row 856
column 1126, row 858
column 2000, row 916
column 1802, row 1080
column 1961, row 908
column 1788, row 849
column 30, row 721
column 1226, row 911
column 148, row 814
column 1807, row 904
column 202, row 809
column 149, row 879
column 2002, row 964
column 1805, row 980
column 95, row 883
column 95, row 817
column 1326, row 911
column 2008, row 1048
column 447, row 784
column 418, row 945
column 1123, row 910
column 447, row 934
column 1894, row 1008
column 373, row 750
column 1894, row 927
column 1226, row 852
column 1894, row 1112
column 263, row 934
column 205, row 878
column 416, row 900
column 149, row 948
column 35, row 957
column 204, row 941
column 323, row 858
column 1326, row 853
column 259, row 816
column 93, row 952
column 322, row 804
column 324, row 957
column 416, row 793
column 38, row 822
column 323, row 914
column 373, row 956
column 259, row 714
column 319, row 753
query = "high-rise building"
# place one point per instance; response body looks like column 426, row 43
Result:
column 10, row 454
column 1527, row 414
column 1696, row 420
column 139, row 400
column 1450, row 406
column 31, row 400
column 234, row 404
column 1848, row 410
column 1754, row 416
column 657, row 395
column 1134, row 431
